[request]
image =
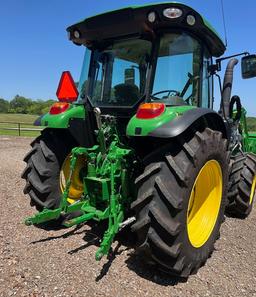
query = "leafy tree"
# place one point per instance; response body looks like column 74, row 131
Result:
column 20, row 104
column 4, row 105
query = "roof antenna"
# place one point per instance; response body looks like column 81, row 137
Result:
column 224, row 23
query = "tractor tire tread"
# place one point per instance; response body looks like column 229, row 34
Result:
column 43, row 166
column 174, row 201
column 150, row 171
column 239, row 203
column 176, row 170
column 173, row 251
column 159, row 202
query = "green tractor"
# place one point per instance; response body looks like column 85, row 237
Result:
column 139, row 144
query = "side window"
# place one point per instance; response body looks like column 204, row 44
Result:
column 177, row 74
column 83, row 82
column 206, row 82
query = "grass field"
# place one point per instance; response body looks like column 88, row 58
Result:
column 26, row 121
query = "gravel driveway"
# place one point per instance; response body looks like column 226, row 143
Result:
column 37, row 262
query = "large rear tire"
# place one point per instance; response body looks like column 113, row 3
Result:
column 189, row 176
column 44, row 163
column 242, row 185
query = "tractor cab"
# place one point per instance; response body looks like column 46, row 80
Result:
column 155, row 53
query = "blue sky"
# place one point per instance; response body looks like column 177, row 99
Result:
column 35, row 50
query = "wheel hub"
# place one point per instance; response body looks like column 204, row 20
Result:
column 204, row 203
column 76, row 187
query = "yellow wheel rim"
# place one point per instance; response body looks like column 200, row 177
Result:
column 253, row 191
column 76, row 187
column 204, row 203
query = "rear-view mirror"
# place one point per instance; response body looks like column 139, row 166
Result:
column 249, row 66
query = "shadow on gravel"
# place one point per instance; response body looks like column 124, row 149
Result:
column 91, row 237
column 50, row 226
column 65, row 235
column 111, row 257
column 235, row 216
column 151, row 273
column 124, row 238
column 125, row 241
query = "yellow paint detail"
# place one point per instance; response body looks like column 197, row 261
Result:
column 76, row 188
column 204, row 203
column 253, row 190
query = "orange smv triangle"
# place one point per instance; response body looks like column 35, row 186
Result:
column 67, row 90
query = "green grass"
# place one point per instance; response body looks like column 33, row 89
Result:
column 14, row 117
column 26, row 119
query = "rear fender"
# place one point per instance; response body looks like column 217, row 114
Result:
column 181, row 123
column 61, row 120
column 75, row 120
column 174, row 121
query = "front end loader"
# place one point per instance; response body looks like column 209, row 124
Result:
column 138, row 143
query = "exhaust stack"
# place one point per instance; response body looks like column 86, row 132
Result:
column 227, row 88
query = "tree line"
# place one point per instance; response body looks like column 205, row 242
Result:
column 20, row 104
column 251, row 124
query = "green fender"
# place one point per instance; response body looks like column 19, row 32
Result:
column 174, row 121
column 74, row 120
column 61, row 120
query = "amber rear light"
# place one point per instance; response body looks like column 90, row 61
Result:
column 150, row 110
column 59, row 107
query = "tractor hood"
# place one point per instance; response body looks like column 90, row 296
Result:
column 134, row 20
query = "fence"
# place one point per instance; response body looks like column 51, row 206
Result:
column 19, row 127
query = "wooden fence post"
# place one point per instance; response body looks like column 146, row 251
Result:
column 19, row 128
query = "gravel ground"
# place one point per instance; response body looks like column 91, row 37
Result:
column 37, row 262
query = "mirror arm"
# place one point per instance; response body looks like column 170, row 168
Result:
column 217, row 66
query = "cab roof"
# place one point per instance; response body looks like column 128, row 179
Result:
column 133, row 20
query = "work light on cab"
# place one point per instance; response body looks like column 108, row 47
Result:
column 172, row 13
column 152, row 17
column 150, row 110
column 67, row 91
column 191, row 20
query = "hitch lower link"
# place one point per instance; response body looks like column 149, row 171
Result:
column 114, row 212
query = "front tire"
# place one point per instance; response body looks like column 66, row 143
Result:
column 170, row 229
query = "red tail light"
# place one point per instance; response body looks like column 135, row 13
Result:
column 59, row 107
column 67, row 90
column 150, row 110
